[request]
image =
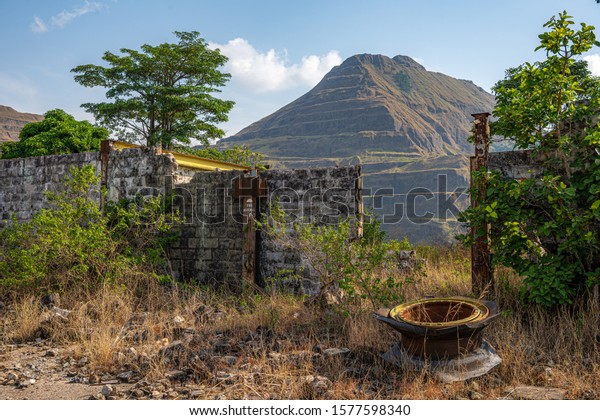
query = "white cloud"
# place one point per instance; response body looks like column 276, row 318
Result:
column 38, row 26
column 271, row 71
column 593, row 63
column 65, row 17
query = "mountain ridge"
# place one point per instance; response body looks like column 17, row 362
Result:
column 12, row 121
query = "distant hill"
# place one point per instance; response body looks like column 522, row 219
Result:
column 11, row 122
column 407, row 126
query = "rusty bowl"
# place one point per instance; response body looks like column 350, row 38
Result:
column 440, row 328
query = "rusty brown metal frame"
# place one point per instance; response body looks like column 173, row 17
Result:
column 481, row 270
column 248, row 189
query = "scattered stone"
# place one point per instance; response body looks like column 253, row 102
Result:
column 172, row 351
column 176, row 375
column 51, row 300
column 138, row 393
column 108, row 390
column 157, row 395
column 318, row 384
column 82, row 362
column 51, row 353
column 474, row 395
column 126, row 376
column 226, row 378
column 60, row 313
column 336, row 352
column 537, row 393
column 12, row 377
column 196, row 393
column 230, row 360
column 178, row 320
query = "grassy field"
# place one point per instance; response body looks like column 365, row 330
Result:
column 272, row 345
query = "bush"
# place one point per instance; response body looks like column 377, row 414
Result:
column 365, row 269
column 74, row 244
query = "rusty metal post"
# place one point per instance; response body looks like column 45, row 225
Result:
column 248, row 189
column 481, row 270
column 105, row 148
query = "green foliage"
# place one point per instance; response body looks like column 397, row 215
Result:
column 161, row 95
column 73, row 244
column 547, row 229
column 363, row 269
column 57, row 133
column 240, row 155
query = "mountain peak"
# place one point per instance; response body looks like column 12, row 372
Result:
column 372, row 102
column 12, row 121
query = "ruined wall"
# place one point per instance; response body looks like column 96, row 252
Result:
column 523, row 163
column 23, row 181
column 210, row 243
column 321, row 196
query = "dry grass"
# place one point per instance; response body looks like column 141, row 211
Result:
column 263, row 346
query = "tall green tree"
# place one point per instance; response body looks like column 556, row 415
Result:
column 548, row 229
column 161, row 95
column 58, row 133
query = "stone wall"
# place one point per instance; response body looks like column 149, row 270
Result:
column 209, row 247
column 322, row 196
column 23, row 181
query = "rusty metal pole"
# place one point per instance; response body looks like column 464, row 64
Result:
column 248, row 189
column 481, row 270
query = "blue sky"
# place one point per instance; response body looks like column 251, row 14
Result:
column 278, row 50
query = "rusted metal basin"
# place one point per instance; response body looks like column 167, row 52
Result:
column 439, row 328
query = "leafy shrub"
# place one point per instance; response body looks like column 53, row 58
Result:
column 363, row 269
column 57, row 133
column 74, row 244
column 548, row 229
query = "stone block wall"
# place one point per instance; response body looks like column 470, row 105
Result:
column 322, row 196
column 210, row 242
column 24, row 181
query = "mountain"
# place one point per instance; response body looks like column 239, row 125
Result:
column 11, row 122
column 373, row 103
column 407, row 126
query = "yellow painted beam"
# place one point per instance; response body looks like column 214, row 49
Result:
column 190, row 161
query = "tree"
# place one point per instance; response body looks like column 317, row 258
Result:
column 161, row 95
column 548, row 229
column 57, row 133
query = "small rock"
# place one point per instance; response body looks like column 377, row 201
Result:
column 230, row 360
column 82, row 362
column 60, row 313
column 138, row 393
column 176, row 375
column 107, row 390
column 336, row 352
column 51, row 353
column 12, row 377
column 24, row 383
column 538, row 393
column 172, row 350
column 156, row 395
column 99, row 397
column 126, row 376
column 132, row 352
column 178, row 320
column 196, row 393
column 319, row 384
column 51, row 300
column 474, row 395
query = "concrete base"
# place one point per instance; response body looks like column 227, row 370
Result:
column 472, row 365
